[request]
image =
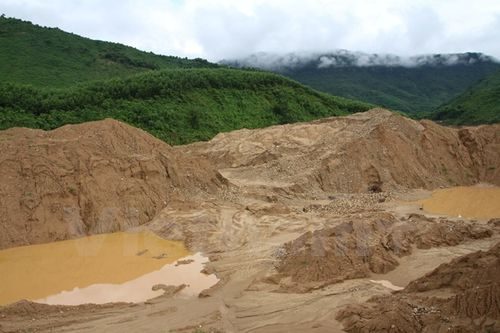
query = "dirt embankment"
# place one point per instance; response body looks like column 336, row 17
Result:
column 361, row 245
column 371, row 151
column 107, row 176
column 460, row 296
column 92, row 178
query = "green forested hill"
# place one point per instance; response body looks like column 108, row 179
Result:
column 49, row 78
column 41, row 56
column 411, row 90
column 480, row 104
column 178, row 106
column 414, row 85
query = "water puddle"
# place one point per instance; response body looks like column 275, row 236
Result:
column 99, row 269
column 482, row 202
column 387, row 284
column 140, row 289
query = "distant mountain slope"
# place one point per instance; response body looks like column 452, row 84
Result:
column 42, row 56
column 177, row 106
column 478, row 105
column 416, row 84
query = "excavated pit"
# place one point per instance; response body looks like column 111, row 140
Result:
column 303, row 223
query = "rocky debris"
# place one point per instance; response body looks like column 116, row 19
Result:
column 169, row 291
column 207, row 271
column 342, row 204
column 96, row 177
column 495, row 223
column 471, row 304
column 399, row 317
column 184, row 262
column 161, row 256
column 361, row 245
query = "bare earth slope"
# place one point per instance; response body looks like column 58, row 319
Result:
column 92, row 178
column 308, row 226
column 468, row 301
column 374, row 150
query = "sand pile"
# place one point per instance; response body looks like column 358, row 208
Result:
column 92, row 178
column 371, row 151
column 466, row 298
column 361, row 245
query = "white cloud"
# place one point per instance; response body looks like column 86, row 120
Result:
column 217, row 29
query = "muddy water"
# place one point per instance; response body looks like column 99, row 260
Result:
column 39, row 271
column 482, row 202
column 139, row 289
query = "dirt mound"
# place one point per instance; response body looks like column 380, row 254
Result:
column 473, row 274
column 92, row 178
column 106, row 176
column 373, row 151
column 468, row 300
column 363, row 244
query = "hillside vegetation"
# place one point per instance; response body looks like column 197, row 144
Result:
column 42, row 56
column 51, row 78
column 411, row 90
column 478, row 105
column 417, row 87
column 177, row 106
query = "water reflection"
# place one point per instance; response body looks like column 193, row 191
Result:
column 140, row 289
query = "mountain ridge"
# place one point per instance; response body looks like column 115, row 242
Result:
column 43, row 56
column 346, row 58
column 412, row 85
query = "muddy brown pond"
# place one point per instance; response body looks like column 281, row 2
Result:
column 118, row 267
column 482, row 202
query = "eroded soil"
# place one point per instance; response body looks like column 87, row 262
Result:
column 301, row 223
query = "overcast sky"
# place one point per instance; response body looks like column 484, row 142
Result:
column 217, row 29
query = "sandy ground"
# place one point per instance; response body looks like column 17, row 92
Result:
column 242, row 302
